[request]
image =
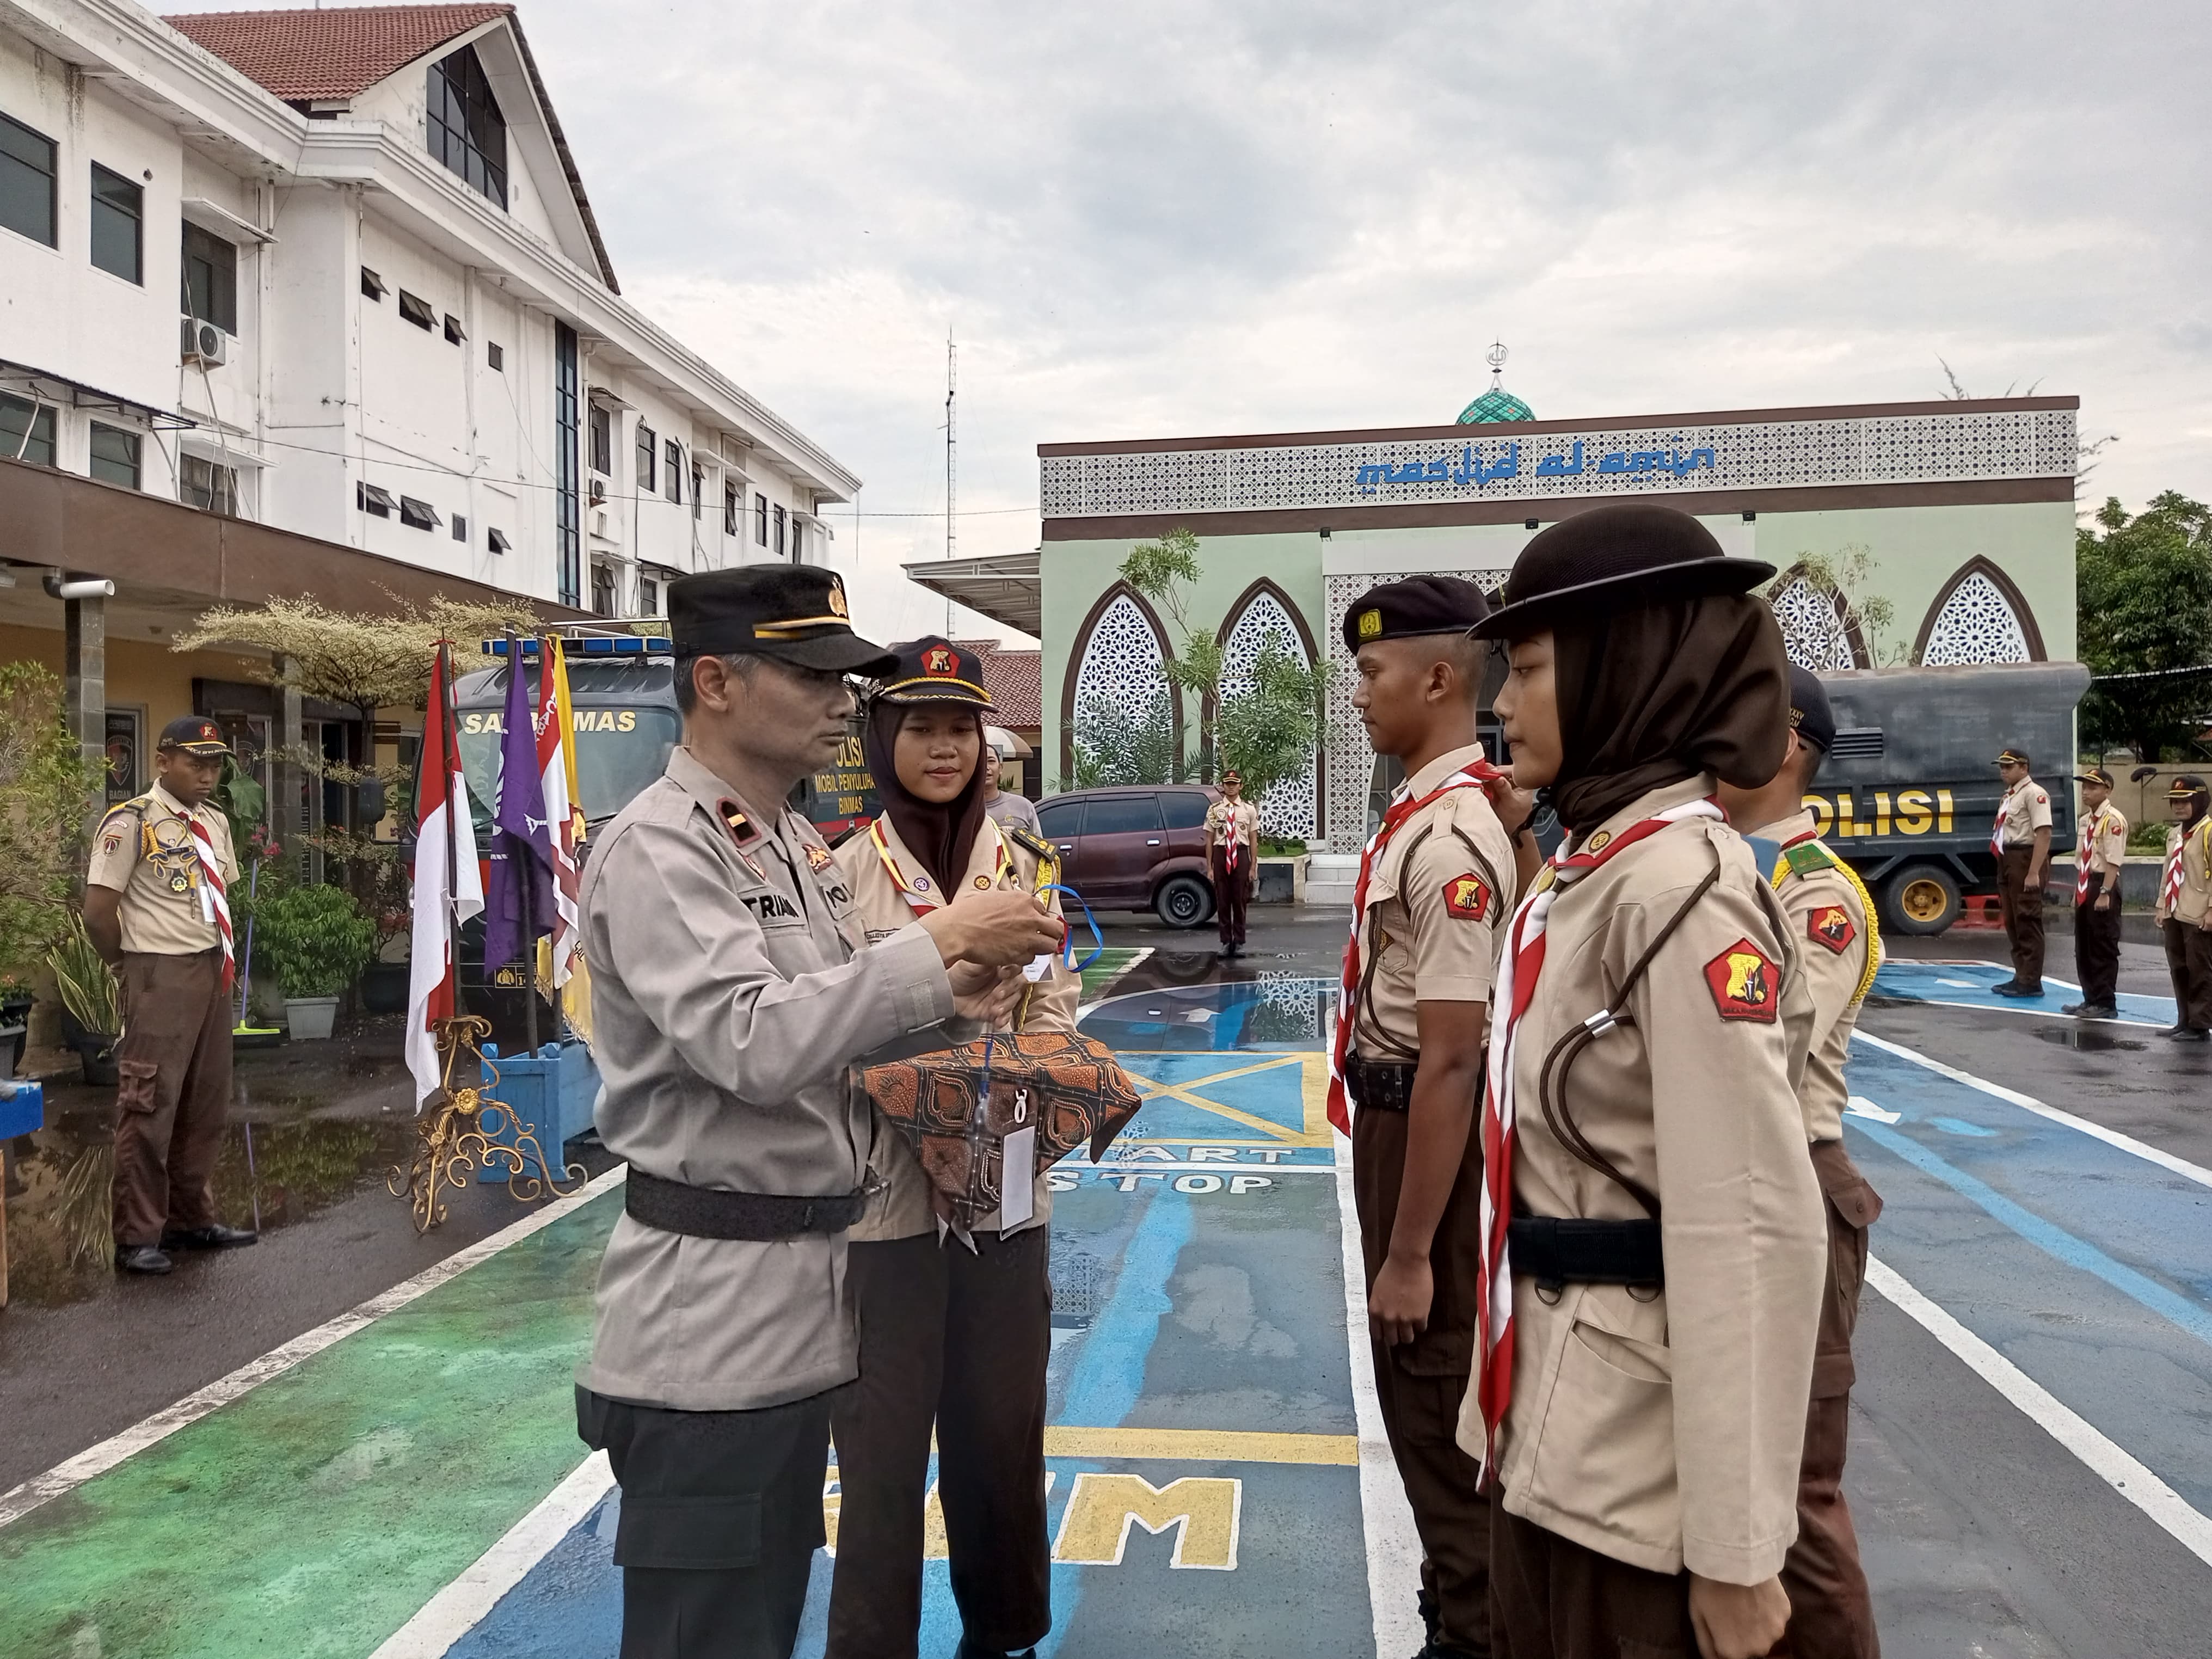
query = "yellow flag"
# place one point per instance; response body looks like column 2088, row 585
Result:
column 558, row 658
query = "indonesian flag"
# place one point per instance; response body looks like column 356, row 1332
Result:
column 556, row 773
column 448, row 884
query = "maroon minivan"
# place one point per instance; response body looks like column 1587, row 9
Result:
column 1135, row 847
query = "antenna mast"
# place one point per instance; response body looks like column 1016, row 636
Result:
column 952, row 460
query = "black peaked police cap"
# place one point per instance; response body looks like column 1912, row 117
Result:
column 934, row 670
column 1613, row 558
column 1410, row 609
column 794, row 613
column 1810, row 716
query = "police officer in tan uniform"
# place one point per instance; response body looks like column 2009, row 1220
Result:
column 155, row 908
column 732, row 985
column 2184, row 909
column 2103, row 834
column 1435, row 886
column 1655, row 1249
column 1831, row 920
column 955, row 1332
column 2021, row 841
column 1232, row 857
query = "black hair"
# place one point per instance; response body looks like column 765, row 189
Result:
column 687, row 693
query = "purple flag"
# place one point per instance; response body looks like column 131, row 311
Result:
column 521, row 843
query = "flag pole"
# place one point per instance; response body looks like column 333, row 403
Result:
column 449, row 738
column 527, row 879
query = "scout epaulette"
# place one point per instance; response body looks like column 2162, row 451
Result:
column 1811, row 854
column 1029, row 841
column 1804, row 856
column 111, row 827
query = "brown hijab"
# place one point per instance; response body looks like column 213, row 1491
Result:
column 940, row 835
column 1659, row 693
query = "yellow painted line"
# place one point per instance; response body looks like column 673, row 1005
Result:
column 1158, row 1088
column 1273, row 1063
column 1319, row 1131
column 1202, row 1445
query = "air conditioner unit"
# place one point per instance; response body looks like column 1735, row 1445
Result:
column 204, row 343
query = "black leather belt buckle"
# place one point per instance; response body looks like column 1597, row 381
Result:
column 1556, row 1251
column 672, row 1207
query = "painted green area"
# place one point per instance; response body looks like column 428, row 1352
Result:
column 1111, row 961
column 317, row 1514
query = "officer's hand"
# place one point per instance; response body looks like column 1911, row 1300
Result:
column 997, row 928
column 1398, row 1306
column 1514, row 806
column 1737, row 1621
column 989, row 995
column 2104, row 902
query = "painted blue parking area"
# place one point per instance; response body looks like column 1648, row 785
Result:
column 1973, row 985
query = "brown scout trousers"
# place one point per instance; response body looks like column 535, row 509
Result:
column 2189, row 962
column 958, row 1341
column 1551, row 1598
column 1831, row 1612
column 2023, row 915
column 173, row 1095
column 2097, row 944
column 1419, row 1384
column 1230, row 895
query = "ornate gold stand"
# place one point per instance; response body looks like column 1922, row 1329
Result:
column 454, row 1139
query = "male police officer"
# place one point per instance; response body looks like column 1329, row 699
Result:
column 2021, row 841
column 155, row 906
column 1833, row 923
column 1435, row 886
column 2103, row 833
column 731, row 989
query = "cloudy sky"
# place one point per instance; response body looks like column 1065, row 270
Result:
column 1145, row 220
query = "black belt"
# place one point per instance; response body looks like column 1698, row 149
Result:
column 708, row 1213
column 1556, row 1251
column 1385, row 1087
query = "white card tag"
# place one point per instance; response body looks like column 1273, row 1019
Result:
column 1018, row 1178
column 1036, row 968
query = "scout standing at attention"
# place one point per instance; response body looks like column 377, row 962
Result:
column 954, row 1334
column 731, row 988
column 157, row 907
column 2184, row 909
column 1654, row 1243
column 1435, row 886
column 1832, row 922
column 2103, row 833
column 2022, row 844
column 1233, row 855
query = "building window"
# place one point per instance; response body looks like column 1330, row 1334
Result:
column 26, row 430
column 672, row 474
column 648, row 597
column 460, row 528
column 417, row 310
column 495, row 358
column 781, row 519
column 733, row 505
column 497, row 541
column 372, row 286
column 698, row 486
column 798, row 539
column 119, row 209
column 603, row 441
column 603, row 590
column 760, row 520
column 211, row 487
column 372, row 499
column 454, row 333
column 417, row 515
column 466, row 131
column 649, row 450
column 26, row 182
column 568, row 515
column 211, row 279
column 114, row 456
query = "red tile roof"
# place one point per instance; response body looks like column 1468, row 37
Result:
column 1015, row 680
column 338, row 54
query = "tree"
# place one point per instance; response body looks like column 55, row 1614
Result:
column 1114, row 746
column 2143, row 592
column 44, row 782
column 1822, row 635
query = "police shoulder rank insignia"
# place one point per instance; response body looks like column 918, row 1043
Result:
column 1831, row 924
column 818, row 858
column 1467, row 898
column 1370, row 624
column 1745, row 983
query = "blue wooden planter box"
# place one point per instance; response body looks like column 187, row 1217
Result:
column 553, row 1091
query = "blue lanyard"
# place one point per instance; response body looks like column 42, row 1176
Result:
column 1098, row 939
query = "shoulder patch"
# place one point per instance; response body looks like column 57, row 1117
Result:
column 818, row 857
column 1831, row 924
column 1807, row 856
column 1467, row 898
column 1746, row 984
column 1023, row 836
column 2042, row 799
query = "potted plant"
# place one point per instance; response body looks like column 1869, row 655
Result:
column 318, row 941
column 92, row 1013
column 15, row 1001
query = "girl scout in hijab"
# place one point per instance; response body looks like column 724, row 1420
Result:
column 1642, row 1375
column 951, row 1338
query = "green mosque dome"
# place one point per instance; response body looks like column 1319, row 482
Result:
column 1496, row 404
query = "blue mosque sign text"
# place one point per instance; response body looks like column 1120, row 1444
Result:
column 1469, row 470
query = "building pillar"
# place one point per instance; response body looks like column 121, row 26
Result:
column 84, row 630
column 290, row 780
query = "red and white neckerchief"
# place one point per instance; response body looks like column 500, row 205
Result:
column 2004, row 816
column 2087, row 855
column 920, row 894
column 2170, row 891
column 1516, row 991
column 1472, row 775
column 214, row 898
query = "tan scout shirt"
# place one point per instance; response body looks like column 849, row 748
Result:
column 1437, row 900
column 1240, row 818
column 901, row 1208
column 144, row 850
column 1666, row 1432
column 1833, row 934
column 2107, row 830
column 2196, row 895
column 2025, row 809
column 730, row 990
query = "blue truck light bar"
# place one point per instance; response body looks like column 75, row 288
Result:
column 595, row 645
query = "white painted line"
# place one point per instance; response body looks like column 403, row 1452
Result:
column 1106, row 986
column 2165, row 1160
column 461, row 1605
column 2029, row 1013
column 20, row 1501
column 1394, row 1548
column 2126, row 1477
column 1860, row 1106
